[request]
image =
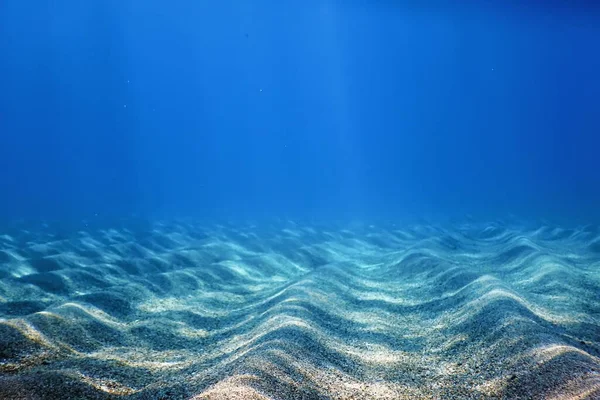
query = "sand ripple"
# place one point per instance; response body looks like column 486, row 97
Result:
column 188, row 311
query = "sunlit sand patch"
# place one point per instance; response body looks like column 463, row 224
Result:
column 297, row 286
column 239, row 341
column 547, row 353
column 30, row 332
column 143, row 358
column 22, row 269
column 108, row 386
column 234, row 388
column 384, row 322
column 345, row 283
column 499, row 293
column 191, row 333
column 397, row 300
column 376, row 354
column 91, row 242
column 93, row 313
column 196, row 303
column 247, row 272
column 492, row 388
column 290, row 232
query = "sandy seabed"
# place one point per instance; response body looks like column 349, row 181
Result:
column 287, row 311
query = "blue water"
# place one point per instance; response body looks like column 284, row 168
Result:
column 299, row 200
column 320, row 109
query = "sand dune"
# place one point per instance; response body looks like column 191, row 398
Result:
column 188, row 311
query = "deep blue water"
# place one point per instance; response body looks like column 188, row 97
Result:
column 322, row 109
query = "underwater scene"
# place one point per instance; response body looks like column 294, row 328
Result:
column 299, row 200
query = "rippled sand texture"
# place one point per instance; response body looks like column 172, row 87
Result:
column 293, row 312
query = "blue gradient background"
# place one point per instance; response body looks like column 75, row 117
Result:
column 323, row 109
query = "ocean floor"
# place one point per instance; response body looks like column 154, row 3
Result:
column 289, row 311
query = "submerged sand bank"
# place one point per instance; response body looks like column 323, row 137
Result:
column 297, row 312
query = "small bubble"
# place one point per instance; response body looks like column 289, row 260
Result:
column 124, row 105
